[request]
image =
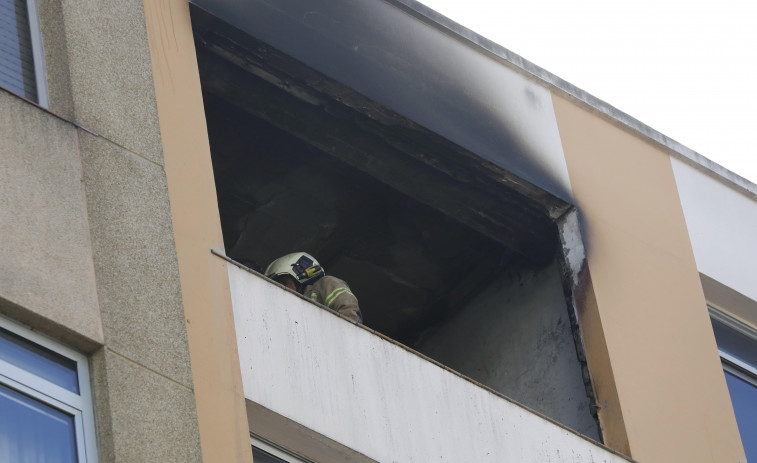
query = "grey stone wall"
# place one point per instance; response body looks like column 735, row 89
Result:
column 47, row 274
column 88, row 250
column 143, row 374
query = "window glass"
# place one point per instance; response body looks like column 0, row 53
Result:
column 39, row 361
column 737, row 344
column 261, row 456
column 16, row 53
column 46, row 412
column 734, row 343
column 744, row 399
column 266, row 452
column 33, row 431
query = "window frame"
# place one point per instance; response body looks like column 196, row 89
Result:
column 276, row 451
column 80, row 405
column 742, row 329
column 732, row 364
column 739, row 368
column 38, row 54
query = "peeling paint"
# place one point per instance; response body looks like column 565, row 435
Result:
column 572, row 244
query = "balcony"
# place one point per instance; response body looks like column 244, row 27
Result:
column 344, row 392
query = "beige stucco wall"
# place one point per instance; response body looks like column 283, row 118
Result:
column 650, row 306
column 205, row 287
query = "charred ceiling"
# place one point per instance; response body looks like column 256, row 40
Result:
column 415, row 223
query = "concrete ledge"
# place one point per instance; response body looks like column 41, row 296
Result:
column 46, row 263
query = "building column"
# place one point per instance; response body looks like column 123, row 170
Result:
column 224, row 432
column 649, row 341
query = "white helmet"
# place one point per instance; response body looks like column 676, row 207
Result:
column 300, row 265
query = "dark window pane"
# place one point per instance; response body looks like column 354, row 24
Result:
column 40, row 361
column 744, row 399
column 261, row 456
column 16, row 56
column 31, row 431
column 735, row 343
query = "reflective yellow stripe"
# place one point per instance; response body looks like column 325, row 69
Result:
column 314, row 296
column 336, row 293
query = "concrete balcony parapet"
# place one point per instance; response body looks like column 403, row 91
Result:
column 381, row 400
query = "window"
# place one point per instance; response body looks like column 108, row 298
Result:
column 737, row 344
column 21, row 58
column 45, row 400
column 266, row 452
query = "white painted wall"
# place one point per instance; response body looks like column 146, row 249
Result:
column 354, row 387
column 722, row 224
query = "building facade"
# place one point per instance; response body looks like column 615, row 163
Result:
column 543, row 278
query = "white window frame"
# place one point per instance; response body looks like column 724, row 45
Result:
column 78, row 405
column 738, row 368
column 38, row 54
column 731, row 364
column 734, row 363
column 730, row 322
column 275, row 450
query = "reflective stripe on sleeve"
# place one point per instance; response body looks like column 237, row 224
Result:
column 336, row 293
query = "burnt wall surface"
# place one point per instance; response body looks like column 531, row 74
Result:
column 421, row 277
column 399, row 58
column 415, row 223
column 408, row 264
column 515, row 336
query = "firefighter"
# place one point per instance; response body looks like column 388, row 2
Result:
column 300, row 272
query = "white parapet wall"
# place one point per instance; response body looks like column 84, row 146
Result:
column 722, row 223
column 371, row 395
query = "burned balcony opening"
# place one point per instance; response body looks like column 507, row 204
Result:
column 447, row 253
column 410, row 265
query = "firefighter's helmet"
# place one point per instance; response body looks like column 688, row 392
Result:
column 300, row 265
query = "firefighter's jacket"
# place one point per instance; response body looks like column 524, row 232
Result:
column 335, row 294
